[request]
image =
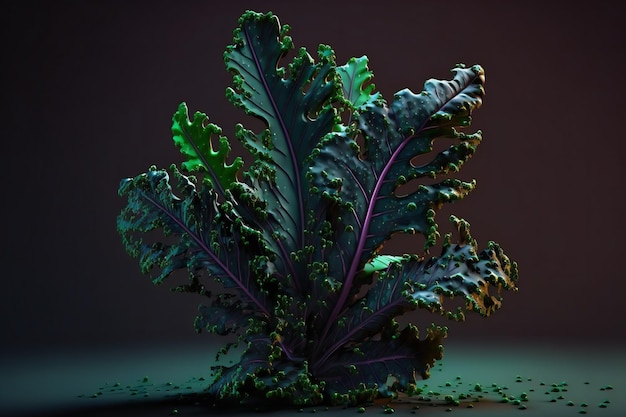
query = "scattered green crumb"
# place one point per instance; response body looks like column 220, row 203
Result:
column 452, row 394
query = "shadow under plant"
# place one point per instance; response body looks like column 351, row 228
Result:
column 297, row 239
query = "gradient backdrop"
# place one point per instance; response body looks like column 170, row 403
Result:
column 89, row 89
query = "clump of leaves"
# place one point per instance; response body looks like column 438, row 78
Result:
column 296, row 240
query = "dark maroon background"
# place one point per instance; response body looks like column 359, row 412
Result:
column 89, row 89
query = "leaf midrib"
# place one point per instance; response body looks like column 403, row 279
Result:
column 339, row 306
column 288, row 141
column 200, row 242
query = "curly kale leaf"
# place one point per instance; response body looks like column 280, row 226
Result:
column 194, row 138
column 356, row 84
column 404, row 285
column 400, row 356
column 297, row 110
column 209, row 236
column 363, row 181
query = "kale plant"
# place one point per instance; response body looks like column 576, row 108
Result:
column 296, row 239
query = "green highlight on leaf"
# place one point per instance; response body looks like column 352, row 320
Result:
column 290, row 253
column 195, row 140
column 354, row 76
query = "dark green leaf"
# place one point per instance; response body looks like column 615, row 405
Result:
column 363, row 182
column 209, row 238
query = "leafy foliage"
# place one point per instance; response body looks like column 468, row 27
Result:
column 295, row 240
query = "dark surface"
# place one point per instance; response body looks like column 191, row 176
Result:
column 154, row 382
column 89, row 89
